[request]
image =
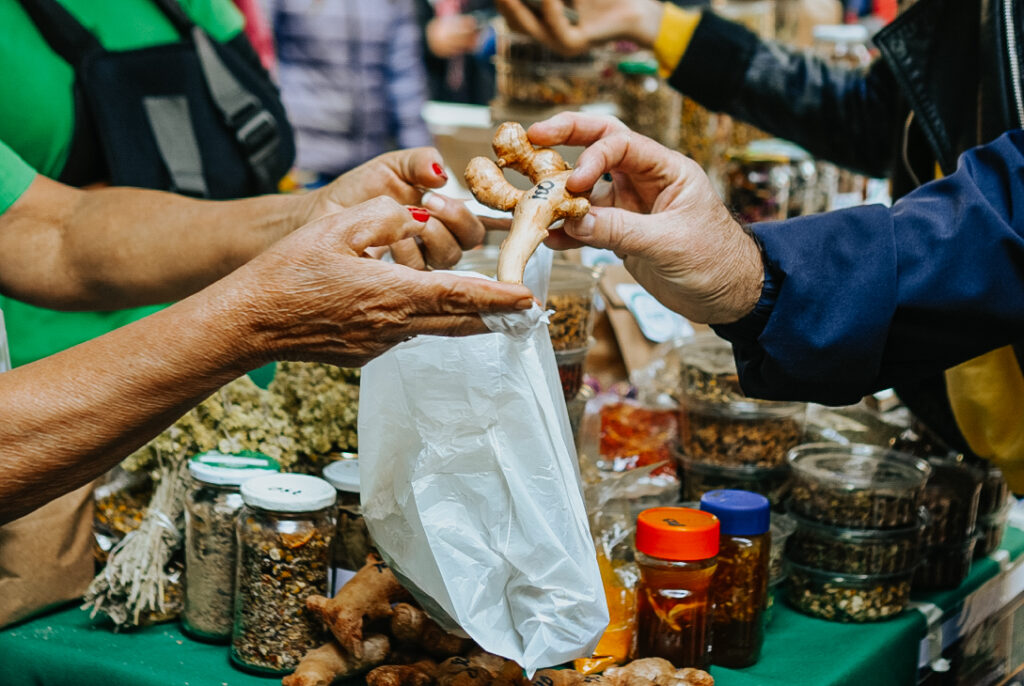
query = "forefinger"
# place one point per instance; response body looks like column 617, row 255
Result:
column 630, row 153
column 573, row 128
column 454, row 294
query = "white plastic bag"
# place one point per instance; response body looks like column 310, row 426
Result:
column 471, row 490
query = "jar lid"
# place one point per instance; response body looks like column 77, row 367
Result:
column 639, row 67
column 231, row 469
column 677, row 533
column 343, row 475
column 288, row 493
column 741, row 513
column 857, row 467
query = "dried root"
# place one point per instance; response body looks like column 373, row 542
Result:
column 367, row 596
column 535, row 209
column 411, row 626
column 419, row 673
column 321, row 666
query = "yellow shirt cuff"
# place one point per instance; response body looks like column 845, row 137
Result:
column 674, row 35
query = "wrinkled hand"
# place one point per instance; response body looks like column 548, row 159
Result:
column 315, row 296
column 661, row 215
column 402, row 175
column 452, row 35
column 599, row 21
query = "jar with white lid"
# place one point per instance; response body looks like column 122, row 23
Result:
column 352, row 542
column 211, row 505
column 284, row 536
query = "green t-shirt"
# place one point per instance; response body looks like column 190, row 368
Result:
column 36, row 125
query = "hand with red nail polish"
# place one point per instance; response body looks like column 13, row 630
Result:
column 402, row 175
column 419, row 214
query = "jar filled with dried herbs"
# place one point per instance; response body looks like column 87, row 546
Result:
column 847, row 597
column 647, row 104
column 284, row 537
column 677, row 549
column 757, row 185
column 572, row 295
column 211, row 505
column 352, row 542
column 740, row 587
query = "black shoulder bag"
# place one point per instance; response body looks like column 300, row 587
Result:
column 196, row 117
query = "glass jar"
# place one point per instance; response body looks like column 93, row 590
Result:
column 530, row 74
column 757, row 184
column 572, row 294
column 677, row 551
column 284, row 536
column 701, row 477
column 756, row 15
column 951, row 495
column 647, row 104
column 739, row 590
column 847, row 597
column 211, row 504
column 857, row 486
column 718, row 424
column 352, row 541
column 944, row 567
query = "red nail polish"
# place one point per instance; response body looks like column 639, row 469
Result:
column 419, row 214
column 439, row 171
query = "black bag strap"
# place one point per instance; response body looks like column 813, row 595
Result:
column 64, row 34
column 177, row 16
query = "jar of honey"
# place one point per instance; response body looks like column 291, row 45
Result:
column 740, row 587
column 677, row 550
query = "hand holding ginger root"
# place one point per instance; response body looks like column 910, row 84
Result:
column 535, row 209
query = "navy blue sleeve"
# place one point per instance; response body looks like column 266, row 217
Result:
column 865, row 298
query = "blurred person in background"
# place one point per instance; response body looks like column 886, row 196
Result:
column 458, row 46
column 948, row 79
column 352, row 80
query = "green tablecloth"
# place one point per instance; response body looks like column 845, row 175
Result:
column 66, row 647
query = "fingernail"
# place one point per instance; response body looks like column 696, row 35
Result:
column 433, row 202
column 439, row 171
column 582, row 227
column 419, row 214
column 524, row 304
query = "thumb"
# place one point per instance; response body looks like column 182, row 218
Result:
column 382, row 221
column 617, row 230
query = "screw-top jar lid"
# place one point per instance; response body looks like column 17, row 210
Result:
column 840, row 33
column 288, row 493
column 343, row 475
column 234, row 469
column 677, row 533
column 741, row 513
column 640, row 67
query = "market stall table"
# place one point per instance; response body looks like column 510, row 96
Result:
column 66, row 647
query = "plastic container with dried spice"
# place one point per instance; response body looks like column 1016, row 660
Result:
column 284, row 537
column 944, row 567
column 847, row 597
column 529, row 73
column 783, row 527
column 719, row 424
column 740, row 587
column 991, row 529
column 677, row 551
column 757, row 185
column 572, row 295
column 211, row 506
column 631, row 435
column 700, row 477
column 647, row 104
column 857, row 486
column 756, row 15
column 570, row 369
column 855, row 551
column 352, row 541
column 995, row 492
column 951, row 495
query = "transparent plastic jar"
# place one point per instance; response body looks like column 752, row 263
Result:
column 856, row 551
column 847, row 597
column 572, row 295
column 857, row 486
column 647, row 104
column 991, row 529
column 740, row 586
column 531, row 74
column 951, row 495
column 352, row 540
column 701, row 477
column 211, row 505
column 783, row 527
column 757, row 185
column 756, row 15
column 677, row 550
column 284, row 537
column 718, row 424
column 944, row 567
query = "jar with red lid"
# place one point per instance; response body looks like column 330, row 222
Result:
column 677, row 549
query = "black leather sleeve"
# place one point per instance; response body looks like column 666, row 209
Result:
column 848, row 116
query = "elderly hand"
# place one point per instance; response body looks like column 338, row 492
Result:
column 599, row 21
column 315, row 296
column 661, row 215
column 402, row 175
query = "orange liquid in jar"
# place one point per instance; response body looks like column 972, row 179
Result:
column 673, row 611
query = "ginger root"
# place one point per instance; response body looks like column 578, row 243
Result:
column 657, row 671
column 535, row 209
column 412, row 626
column 419, row 673
column 321, row 666
column 367, row 596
